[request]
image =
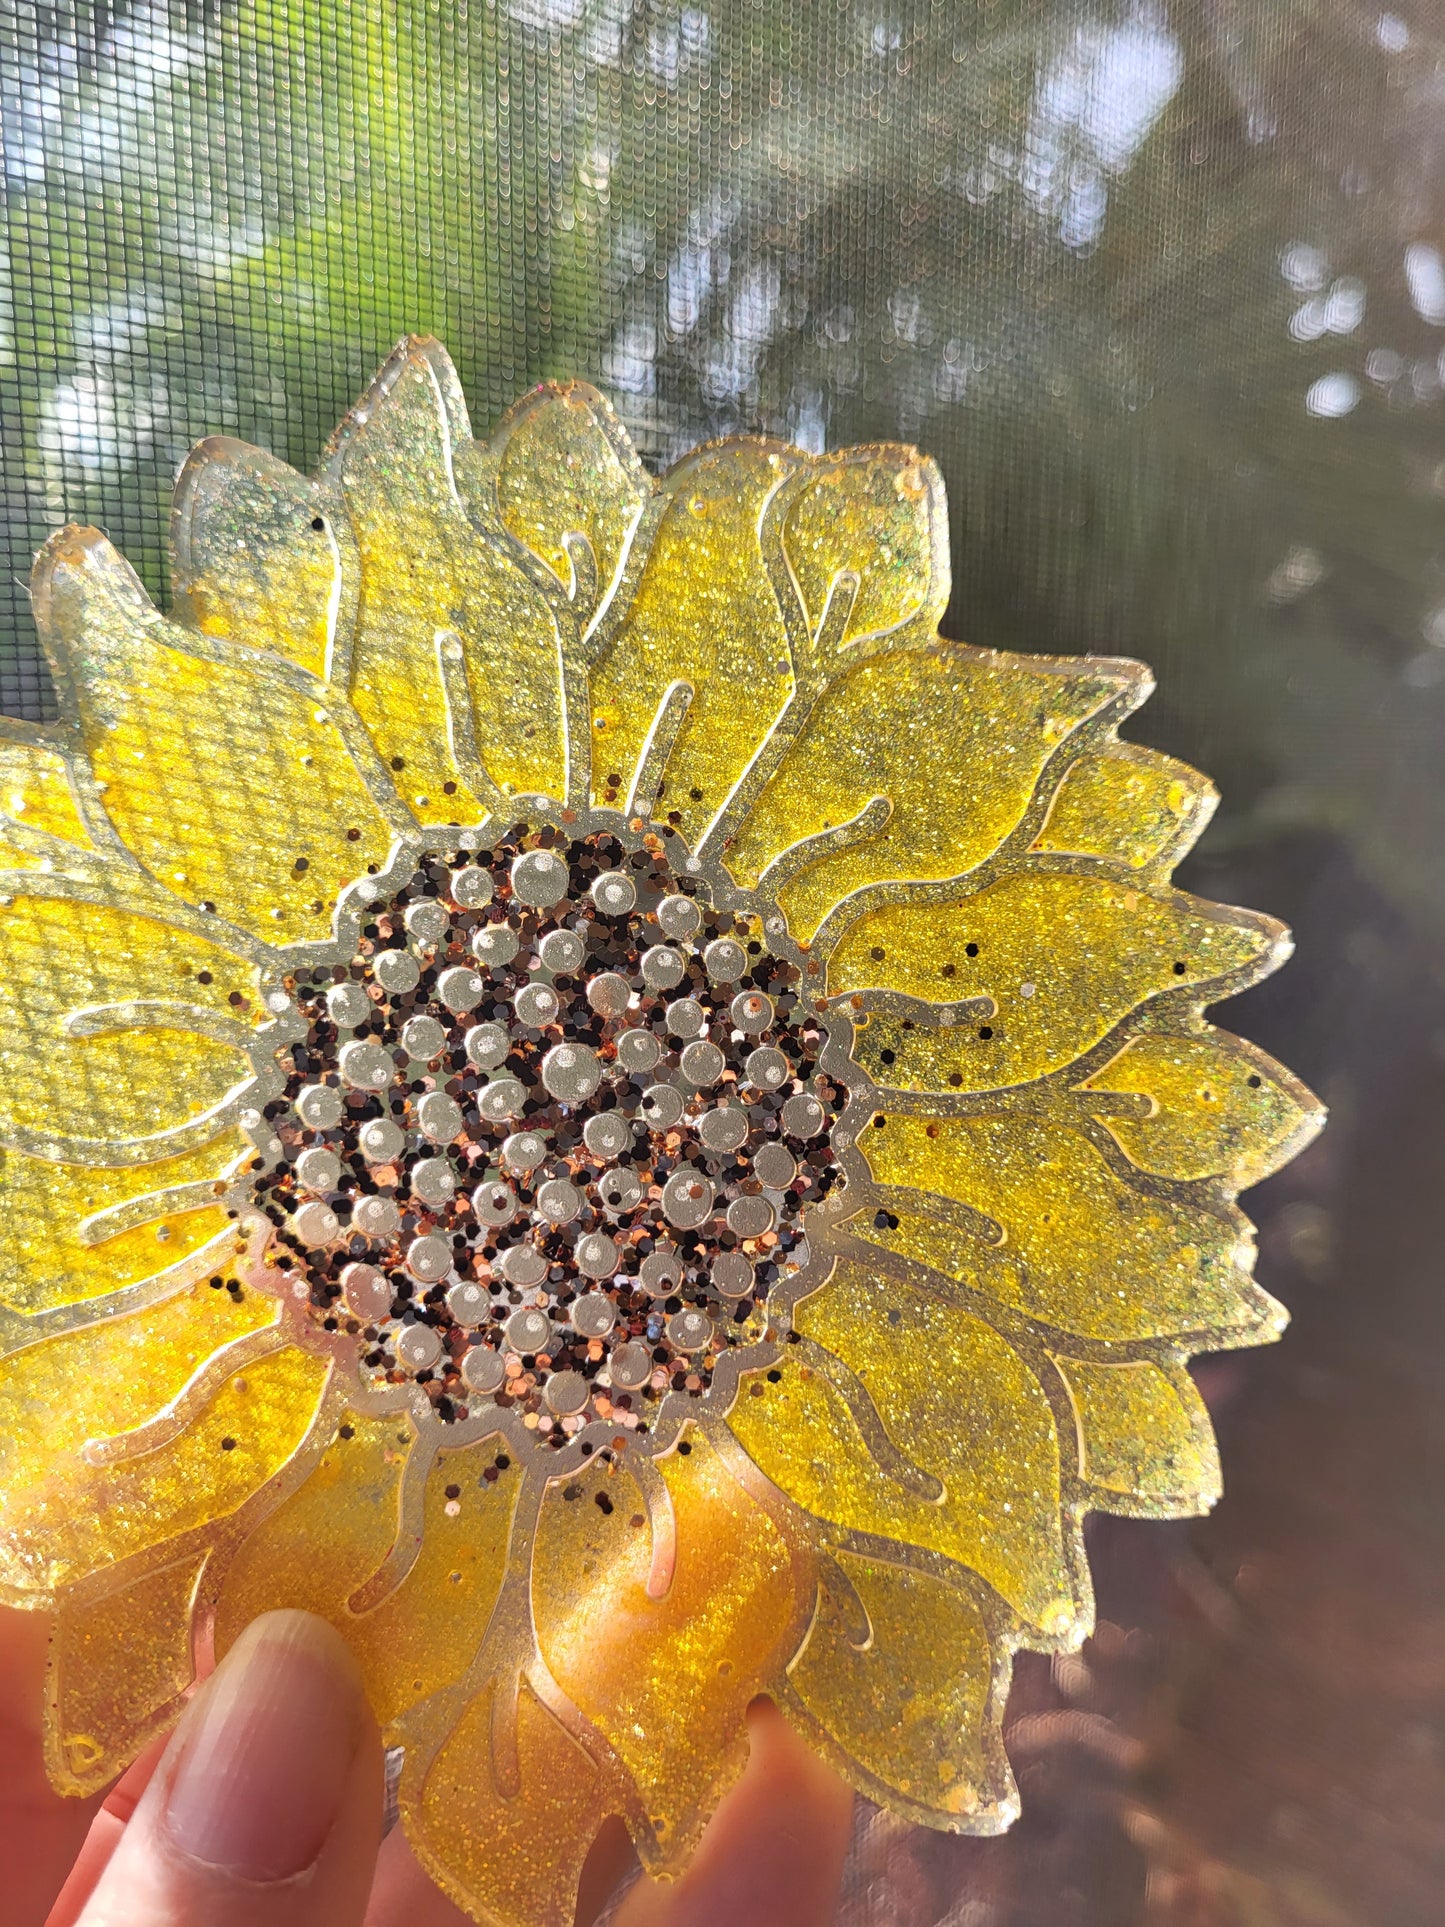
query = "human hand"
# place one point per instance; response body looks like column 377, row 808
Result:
column 264, row 1809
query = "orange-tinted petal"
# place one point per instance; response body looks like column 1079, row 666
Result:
column 120, row 1661
column 667, row 1680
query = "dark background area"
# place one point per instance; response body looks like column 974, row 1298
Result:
column 1161, row 283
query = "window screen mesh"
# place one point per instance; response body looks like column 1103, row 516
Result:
column 1161, row 283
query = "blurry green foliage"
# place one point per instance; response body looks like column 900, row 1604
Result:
column 1160, row 282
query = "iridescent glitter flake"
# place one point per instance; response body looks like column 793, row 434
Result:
column 585, row 1097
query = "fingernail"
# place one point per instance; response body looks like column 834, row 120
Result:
column 264, row 1750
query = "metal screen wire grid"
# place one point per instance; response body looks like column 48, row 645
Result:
column 1160, row 284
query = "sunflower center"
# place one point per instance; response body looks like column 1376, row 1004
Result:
column 551, row 1134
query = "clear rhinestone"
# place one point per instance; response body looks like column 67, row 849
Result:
column 381, row 1139
column 678, row 917
column 571, row 1073
column 495, row 945
column 318, row 1169
column 461, row 988
column 607, row 1134
column 724, row 960
column 376, row 1218
column 396, row 971
column 596, row 1255
column 433, row 1181
column 539, row 878
column 495, row 1203
column 483, row 1371
column 638, row 1051
column 429, row 1258
column 803, row 1116
column 662, row 1106
column 347, row 1005
column 687, row 1199
column 319, row 1106
column 487, row 1045
column 367, row 1066
column 423, row 1038
column 608, row 994
column 439, row 1117
column 418, row 1346
column 614, row 893
column 469, row 1303
column 367, row 1292
column 471, row 888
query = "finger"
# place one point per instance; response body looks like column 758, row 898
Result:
column 773, row 1852
column 43, row 1830
column 265, row 1810
column 404, row 1894
column 104, row 1836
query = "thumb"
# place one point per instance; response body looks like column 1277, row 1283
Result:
column 265, row 1809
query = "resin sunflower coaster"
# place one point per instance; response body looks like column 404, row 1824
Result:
column 584, row 1097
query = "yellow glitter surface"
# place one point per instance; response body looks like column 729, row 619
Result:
column 1018, row 1141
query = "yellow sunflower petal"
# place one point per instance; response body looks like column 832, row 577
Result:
column 1082, row 1250
column 63, row 1516
column 954, row 739
column 256, row 554
column 120, row 1662
column 912, row 1715
column 320, row 1548
column 1063, row 958
column 60, row 1247
column 941, row 1437
column 667, row 1680
column 1217, row 1107
column 59, row 957
column 427, row 570
column 231, row 787
column 705, row 612
column 506, row 1861
column 565, row 468
column 1145, row 1441
column 1129, row 804
column 35, row 795
column 871, row 523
